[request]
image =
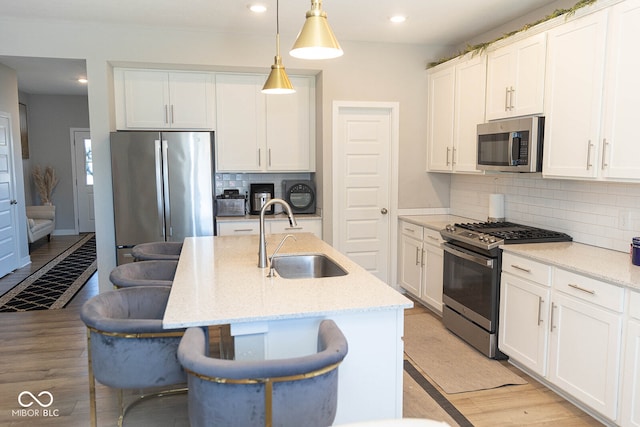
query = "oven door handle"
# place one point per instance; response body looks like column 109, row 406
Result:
column 485, row 262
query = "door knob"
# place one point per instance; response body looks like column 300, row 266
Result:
column 384, row 211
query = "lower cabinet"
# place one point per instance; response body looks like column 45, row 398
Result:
column 420, row 263
column 241, row 227
column 567, row 331
column 523, row 331
column 584, row 358
column 630, row 401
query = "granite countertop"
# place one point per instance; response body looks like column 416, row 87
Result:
column 435, row 222
column 602, row 264
column 218, row 282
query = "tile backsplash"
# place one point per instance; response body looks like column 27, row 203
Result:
column 243, row 181
column 595, row 213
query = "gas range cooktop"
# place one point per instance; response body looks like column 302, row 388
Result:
column 490, row 235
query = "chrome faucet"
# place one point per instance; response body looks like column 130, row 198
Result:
column 262, row 249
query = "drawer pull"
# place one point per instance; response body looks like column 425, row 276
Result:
column 517, row 267
column 411, row 230
column 433, row 238
column 242, row 230
column 571, row 285
column 294, row 228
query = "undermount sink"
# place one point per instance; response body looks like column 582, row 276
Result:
column 306, row 266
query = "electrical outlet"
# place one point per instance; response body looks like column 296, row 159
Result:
column 624, row 219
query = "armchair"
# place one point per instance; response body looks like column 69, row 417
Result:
column 41, row 221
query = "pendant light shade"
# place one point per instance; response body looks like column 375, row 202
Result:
column 278, row 82
column 316, row 40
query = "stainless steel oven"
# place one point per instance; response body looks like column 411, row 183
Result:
column 470, row 291
column 471, row 280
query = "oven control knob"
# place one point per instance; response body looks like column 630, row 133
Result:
column 450, row 227
column 492, row 240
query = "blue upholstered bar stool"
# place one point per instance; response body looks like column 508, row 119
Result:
column 127, row 347
column 300, row 391
column 144, row 273
column 165, row 251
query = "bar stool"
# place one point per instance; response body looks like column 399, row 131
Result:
column 299, row 391
column 127, row 348
column 157, row 251
column 144, row 273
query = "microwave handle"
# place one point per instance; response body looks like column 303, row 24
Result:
column 515, row 148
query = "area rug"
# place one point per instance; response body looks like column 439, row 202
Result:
column 55, row 284
column 454, row 365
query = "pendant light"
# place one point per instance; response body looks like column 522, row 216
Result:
column 278, row 82
column 316, row 40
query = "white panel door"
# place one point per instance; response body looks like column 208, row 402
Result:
column 362, row 179
column 8, row 255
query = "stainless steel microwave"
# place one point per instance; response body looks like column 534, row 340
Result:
column 513, row 145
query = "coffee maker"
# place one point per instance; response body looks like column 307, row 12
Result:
column 259, row 195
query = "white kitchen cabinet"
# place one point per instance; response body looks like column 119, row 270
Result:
column 630, row 402
column 411, row 258
column 620, row 148
column 515, row 78
column 313, row 225
column 524, row 312
column 260, row 133
column 158, row 99
column 272, row 226
column 585, row 340
column 590, row 128
column 421, row 263
column 456, row 103
column 575, row 69
column 432, row 269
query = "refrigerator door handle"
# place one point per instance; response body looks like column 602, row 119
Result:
column 167, row 190
column 159, row 173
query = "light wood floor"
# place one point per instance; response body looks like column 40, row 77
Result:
column 46, row 351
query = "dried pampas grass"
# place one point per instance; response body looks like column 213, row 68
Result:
column 45, row 182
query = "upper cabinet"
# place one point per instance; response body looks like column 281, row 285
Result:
column 155, row 99
column 590, row 128
column 456, row 102
column 515, row 78
column 257, row 132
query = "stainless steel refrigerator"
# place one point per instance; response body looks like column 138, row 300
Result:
column 162, row 187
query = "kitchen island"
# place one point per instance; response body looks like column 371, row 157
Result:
column 218, row 282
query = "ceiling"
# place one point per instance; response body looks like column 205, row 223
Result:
column 429, row 22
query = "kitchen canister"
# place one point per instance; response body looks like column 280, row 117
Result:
column 635, row 251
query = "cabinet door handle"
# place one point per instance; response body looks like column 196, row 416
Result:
column 422, row 259
column 166, row 113
column 605, row 144
column 517, row 267
column 553, row 307
column 448, row 151
column 511, row 92
column 579, row 288
column 259, row 157
column 589, row 147
column 269, row 157
column 417, row 255
column 453, row 157
column 506, row 98
column 540, row 301
column 171, row 109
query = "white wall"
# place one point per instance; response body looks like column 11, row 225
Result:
column 366, row 72
column 596, row 213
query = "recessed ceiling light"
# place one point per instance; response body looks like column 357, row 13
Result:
column 396, row 19
column 82, row 80
column 257, row 8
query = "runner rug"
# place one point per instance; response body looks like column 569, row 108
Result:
column 55, row 284
column 453, row 364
